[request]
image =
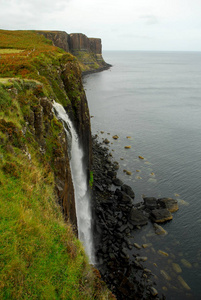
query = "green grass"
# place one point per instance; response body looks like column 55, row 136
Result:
column 41, row 258
column 91, row 179
column 5, row 99
column 8, row 51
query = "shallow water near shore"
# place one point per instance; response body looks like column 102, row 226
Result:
column 152, row 101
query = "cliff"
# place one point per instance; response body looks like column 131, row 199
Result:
column 41, row 256
column 87, row 50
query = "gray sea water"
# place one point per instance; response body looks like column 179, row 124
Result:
column 155, row 99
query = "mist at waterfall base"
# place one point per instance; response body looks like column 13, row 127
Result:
column 79, row 178
column 155, row 98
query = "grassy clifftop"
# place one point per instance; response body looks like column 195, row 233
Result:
column 41, row 257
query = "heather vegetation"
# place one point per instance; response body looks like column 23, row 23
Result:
column 41, row 258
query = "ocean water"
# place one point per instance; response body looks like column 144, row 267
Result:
column 154, row 98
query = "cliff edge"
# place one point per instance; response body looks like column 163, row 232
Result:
column 87, row 50
column 41, row 258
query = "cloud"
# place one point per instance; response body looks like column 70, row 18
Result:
column 133, row 36
column 41, row 6
column 150, row 19
column 24, row 14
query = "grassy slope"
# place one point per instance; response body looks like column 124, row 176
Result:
column 40, row 256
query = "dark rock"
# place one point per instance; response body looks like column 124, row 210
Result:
column 161, row 215
column 124, row 253
column 98, row 187
column 117, row 182
column 137, row 218
column 112, row 174
column 150, row 202
column 169, row 203
column 128, row 243
column 112, row 256
column 141, row 258
column 116, row 165
column 123, row 228
column 123, row 197
column 106, row 141
column 153, row 291
column 128, row 190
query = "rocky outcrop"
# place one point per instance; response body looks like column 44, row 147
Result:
column 87, row 50
column 95, row 45
column 80, row 42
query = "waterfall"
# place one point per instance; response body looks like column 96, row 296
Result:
column 79, row 177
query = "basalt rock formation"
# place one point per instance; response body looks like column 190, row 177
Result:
column 59, row 38
column 87, row 50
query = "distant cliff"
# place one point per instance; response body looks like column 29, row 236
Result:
column 87, row 50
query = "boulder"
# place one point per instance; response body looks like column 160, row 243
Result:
column 123, row 197
column 159, row 230
column 117, row 182
column 137, row 218
column 161, row 215
column 153, row 291
column 137, row 246
column 123, row 228
column 150, row 202
column 165, row 275
column 169, row 203
column 176, row 268
column 112, row 174
column 186, row 263
column 128, row 190
column 98, row 187
column 141, row 258
column 106, row 141
column 163, row 253
column 183, row 283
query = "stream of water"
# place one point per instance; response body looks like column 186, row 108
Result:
column 79, row 177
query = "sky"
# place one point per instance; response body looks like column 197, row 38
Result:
column 167, row 25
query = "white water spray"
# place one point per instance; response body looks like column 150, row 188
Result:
column 82, row 199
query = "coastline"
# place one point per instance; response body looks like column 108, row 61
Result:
column 125, row 276
column 108, row 66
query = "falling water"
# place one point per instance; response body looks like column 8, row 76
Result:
column 79, row 177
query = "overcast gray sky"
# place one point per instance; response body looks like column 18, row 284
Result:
column 121, row 24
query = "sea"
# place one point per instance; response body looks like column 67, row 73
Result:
column 152, row 101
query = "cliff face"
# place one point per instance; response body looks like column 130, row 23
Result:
column 95, row 45
column 59, row 38
column 87, row 50
column 80, row 42
column 78, row 108
column 52, row 75
column 40, row 254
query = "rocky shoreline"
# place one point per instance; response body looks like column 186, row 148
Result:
column 106, row 67
column 115, row 216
